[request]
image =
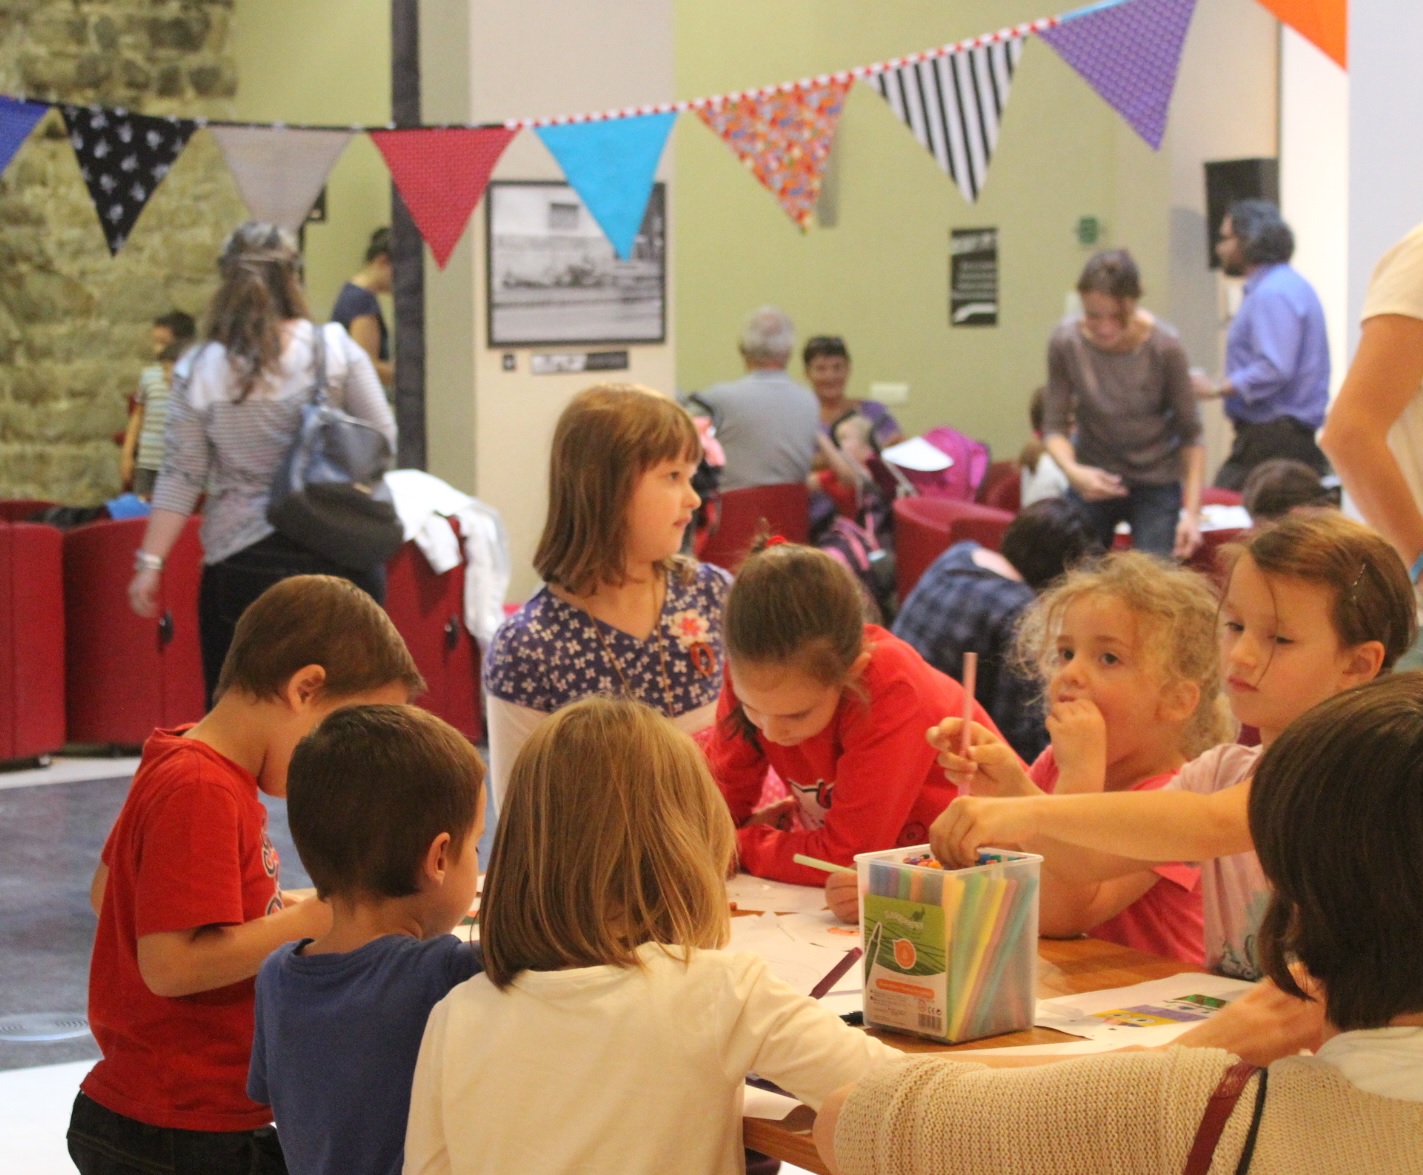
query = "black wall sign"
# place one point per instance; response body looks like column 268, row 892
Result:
column 973, row 277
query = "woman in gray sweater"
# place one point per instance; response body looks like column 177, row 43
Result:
column 1119, row 376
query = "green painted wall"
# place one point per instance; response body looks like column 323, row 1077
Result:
column 323, row 61
column 880, row 276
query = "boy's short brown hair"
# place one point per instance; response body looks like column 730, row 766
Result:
column 316, row 620
column 368, row 792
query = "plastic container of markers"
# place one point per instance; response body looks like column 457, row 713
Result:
column 950, row 954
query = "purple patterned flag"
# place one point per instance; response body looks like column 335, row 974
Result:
column 1129, row 52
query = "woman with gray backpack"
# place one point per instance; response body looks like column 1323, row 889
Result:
column 269, row 402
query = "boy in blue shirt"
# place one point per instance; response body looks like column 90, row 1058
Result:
column 385, row 807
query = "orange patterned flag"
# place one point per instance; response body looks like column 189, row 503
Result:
column 783, row 137
column 1325, row 23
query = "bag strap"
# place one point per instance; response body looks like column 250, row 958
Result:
column 1218, row 1110
column 1248, row 1152
column 318, row 363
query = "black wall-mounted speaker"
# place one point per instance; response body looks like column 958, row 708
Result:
column 1229, row 180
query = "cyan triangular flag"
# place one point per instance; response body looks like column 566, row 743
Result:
column 1129, row 51
column 611, row 165
column 17, row 120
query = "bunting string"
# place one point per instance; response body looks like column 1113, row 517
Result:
column 951, row 98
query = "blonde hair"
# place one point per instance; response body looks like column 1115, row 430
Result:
column 1177, row 624
column 612, row 835
column 606, row 439
column 1371, row 594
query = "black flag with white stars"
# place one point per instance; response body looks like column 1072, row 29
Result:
column 123, row 158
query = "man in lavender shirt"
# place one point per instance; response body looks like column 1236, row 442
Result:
column 1276, row 384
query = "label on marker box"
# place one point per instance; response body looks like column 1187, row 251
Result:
column 906, row 980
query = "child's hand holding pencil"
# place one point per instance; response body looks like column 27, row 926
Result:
column 989, row 766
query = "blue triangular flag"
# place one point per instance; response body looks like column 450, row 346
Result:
column 17, row 120
column 611, row 165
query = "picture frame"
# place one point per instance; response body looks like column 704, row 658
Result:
column 552, row 278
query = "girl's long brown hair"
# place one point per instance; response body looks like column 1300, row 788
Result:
column 261, row 287
column 606, row 439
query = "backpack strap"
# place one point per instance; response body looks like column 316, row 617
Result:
column 318, row 364
column 1218, row 1110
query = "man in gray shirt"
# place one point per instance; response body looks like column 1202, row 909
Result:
column 766, row 422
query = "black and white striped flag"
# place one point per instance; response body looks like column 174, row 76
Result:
column 954, row 104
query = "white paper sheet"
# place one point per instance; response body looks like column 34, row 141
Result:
column 759, row 895
column 1214, row 517
column 821, row 929
column 762, row 1103
column 1145, row 1014
column 800, row 964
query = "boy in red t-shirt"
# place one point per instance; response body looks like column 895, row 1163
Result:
column 187, row 892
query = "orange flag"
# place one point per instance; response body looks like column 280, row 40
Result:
column 1324, row 23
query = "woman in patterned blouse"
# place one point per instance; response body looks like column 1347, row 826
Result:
column 620, row 611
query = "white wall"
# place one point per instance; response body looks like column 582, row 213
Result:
column 537, row 57
column 1314, row 181
column 1385, row 135
column 1225, row 107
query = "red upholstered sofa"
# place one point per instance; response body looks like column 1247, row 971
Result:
column 428, row 610
column 31, row 641
column 125, row 674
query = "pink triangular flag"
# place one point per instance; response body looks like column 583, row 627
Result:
column 441, row 173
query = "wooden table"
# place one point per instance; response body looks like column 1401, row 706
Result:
column 1064, row 968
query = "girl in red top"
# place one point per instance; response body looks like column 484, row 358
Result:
column 838, row 707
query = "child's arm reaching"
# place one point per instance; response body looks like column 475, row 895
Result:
column 176, row 963
column 1166, row 825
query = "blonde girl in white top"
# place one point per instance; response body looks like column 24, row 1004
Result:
column 609, row 1033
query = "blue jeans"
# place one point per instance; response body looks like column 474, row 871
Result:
column 1151, row 511
column 102, row 1142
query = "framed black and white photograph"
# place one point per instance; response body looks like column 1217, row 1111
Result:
column 554, row 278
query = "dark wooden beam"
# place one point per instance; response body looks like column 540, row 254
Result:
column 407, row 249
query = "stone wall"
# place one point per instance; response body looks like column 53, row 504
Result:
column 73, row 321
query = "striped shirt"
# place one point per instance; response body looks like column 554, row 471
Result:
column 153, row 395
column 232, row 450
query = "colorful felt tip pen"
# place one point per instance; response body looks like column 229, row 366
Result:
column 970, row 682
column 817, row 863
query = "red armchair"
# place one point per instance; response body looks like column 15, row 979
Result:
column 428, row 611
column 924, row 528
column 784, row 507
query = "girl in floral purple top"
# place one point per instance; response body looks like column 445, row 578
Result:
column 620, row 612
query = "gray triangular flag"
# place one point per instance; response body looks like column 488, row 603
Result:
column 279, row 170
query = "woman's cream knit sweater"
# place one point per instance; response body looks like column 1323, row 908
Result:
column 1117, row 1115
